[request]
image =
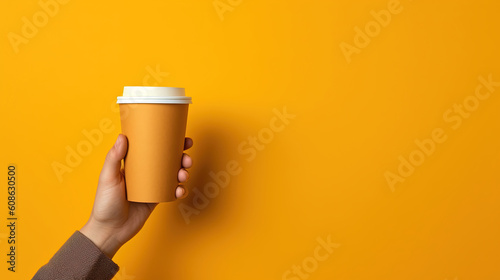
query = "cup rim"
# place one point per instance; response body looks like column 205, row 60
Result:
column 154, row 99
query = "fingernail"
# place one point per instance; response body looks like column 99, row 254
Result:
column 180, row 192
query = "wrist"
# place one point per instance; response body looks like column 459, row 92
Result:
column 101, row 237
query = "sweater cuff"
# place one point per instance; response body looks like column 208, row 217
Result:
column 80, row 258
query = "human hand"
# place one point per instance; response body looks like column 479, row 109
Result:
column 114, row 219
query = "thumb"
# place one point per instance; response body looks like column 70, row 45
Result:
column 110, row 172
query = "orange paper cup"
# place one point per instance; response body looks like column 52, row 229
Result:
column 154, row 120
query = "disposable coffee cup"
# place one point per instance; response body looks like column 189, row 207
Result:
column 154, row 121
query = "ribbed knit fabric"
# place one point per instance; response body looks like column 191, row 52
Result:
column 78, row 259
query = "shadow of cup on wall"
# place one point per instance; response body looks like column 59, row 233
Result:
column 215, row 147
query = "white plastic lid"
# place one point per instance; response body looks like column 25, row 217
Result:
column 154, row 95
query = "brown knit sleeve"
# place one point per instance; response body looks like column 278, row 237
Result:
column 78, row 259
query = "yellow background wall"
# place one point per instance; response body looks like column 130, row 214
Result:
column 322, row 176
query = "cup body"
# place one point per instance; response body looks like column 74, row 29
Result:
column 154, row 121
column 155, row 134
